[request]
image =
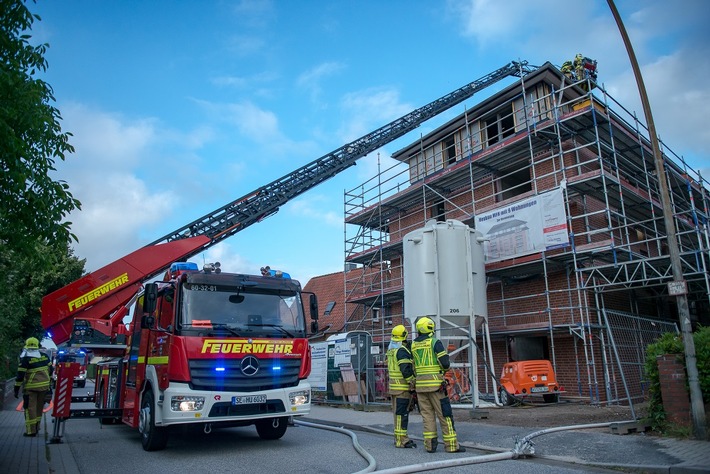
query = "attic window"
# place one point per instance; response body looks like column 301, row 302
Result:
column 450, row 151
column 329, row 308
column 375, row 315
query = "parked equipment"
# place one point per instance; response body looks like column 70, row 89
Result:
column 527, row 379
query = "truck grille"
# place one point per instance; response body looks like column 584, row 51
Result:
column 227, row 409
column 272, row 373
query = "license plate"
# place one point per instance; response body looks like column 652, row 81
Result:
column 248, row 399
column 539, row 389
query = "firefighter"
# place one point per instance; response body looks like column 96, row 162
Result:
column 401, row 380
column 33, row 375
column 568, row 70
column 430, row 363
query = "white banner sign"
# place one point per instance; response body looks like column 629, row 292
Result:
column 319, row 366
column 342, row 352
column 525, row 227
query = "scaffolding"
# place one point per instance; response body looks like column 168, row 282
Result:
column 585, row 300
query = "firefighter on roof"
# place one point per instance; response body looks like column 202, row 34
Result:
column 33, row 376
column 401, row 379
column 430, row 363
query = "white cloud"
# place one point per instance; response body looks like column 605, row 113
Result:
column 228, row 258
column 369, row 109
column 117, row 205
column 315, row 207
column 311, row 79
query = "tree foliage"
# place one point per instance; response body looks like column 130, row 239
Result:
column 26, row 279
column 35, row 257
column 32, row 204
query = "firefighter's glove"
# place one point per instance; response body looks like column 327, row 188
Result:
column 443, row 386
column 17, row 392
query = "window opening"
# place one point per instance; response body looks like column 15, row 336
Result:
column 513, row 183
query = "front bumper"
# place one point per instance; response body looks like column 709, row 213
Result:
column 218, row 406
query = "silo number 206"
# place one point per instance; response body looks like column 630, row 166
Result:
column 453, row 311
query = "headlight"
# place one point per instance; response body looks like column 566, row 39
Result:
column 299, row 398
column 183, row 403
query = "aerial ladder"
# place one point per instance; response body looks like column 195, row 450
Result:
column 93, row 307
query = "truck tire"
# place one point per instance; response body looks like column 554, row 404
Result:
column 505, row 398
column 551, row 398
column 153, row 438
column 272, row 428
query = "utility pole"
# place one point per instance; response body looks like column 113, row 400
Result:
column 696, row 396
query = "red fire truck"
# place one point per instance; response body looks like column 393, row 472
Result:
column 204, row 346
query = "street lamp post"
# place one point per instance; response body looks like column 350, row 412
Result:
column 696, row 396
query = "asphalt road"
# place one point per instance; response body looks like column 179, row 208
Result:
column 117, row 449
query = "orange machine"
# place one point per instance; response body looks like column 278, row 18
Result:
column 529, row 378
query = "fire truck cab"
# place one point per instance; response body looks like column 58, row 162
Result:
column 211, row 348
column 77, row 356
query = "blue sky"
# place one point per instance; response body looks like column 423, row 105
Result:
column 180, row 107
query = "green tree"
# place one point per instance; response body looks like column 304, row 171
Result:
column 25, row 279
column 32, row 204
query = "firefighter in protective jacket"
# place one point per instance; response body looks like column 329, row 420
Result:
column 401, row 378
column 430, row 363
column 33, row 376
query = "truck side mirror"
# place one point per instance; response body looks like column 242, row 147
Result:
column 150, row 298
column 313, row 303
column 314, row 327
column 147, row 321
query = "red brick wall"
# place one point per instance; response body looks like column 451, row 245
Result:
column 674, row 393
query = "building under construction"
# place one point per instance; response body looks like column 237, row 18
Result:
column 560, row 180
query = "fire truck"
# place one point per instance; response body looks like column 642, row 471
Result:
column 203, row 346
column 77, row 356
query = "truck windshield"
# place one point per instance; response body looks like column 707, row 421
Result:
column 239, row 311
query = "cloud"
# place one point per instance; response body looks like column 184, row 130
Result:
column 114, row 173
column 368, row 109
column 314, row 207
column 311, row 79
column 229, row 259
column 677, row 101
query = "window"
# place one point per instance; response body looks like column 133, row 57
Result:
column 438, row 211
column 328, row 308
column 499, row 126
column 513, row 182
column 375, row 315
column 450, row 151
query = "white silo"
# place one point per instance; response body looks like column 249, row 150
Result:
column 444, row 274
column 445, row 279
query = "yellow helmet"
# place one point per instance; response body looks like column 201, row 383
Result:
column 399, row 333
column 32, row 343
column 425, row 326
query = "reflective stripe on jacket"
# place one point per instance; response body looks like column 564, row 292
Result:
column 33, row 373
column 397, row 358
column 429, row 371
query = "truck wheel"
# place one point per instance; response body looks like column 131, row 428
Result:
column 272, row 428
column 505, row 398
column 551, row 398
column 153, row 438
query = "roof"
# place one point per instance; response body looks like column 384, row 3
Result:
column 329, row 288
column 545, row 73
